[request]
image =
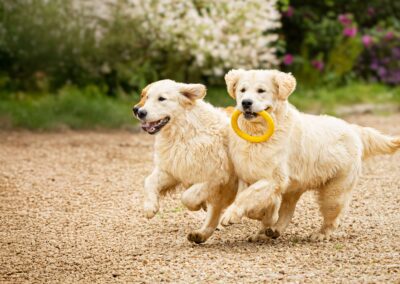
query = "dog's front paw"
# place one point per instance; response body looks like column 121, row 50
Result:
column 231, row 216
column 150, row 209
column 273, row 234
column 197, row 237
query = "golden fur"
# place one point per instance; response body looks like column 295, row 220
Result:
column 191, row 150
column 306, row 152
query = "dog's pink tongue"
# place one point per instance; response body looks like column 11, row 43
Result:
column 145, row 125
column 148, row 126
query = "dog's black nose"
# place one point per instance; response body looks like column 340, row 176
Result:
column 142, row 113
column 135, row 110
column 246, row 104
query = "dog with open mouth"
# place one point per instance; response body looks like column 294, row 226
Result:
column 191, row 149
column 306, row 152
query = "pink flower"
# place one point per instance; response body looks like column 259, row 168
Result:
column 345, row 19
column 389, row 36
column 318, row 64
column 350, row 31
column 367, row 40
column 289, row 12
column 288, row 59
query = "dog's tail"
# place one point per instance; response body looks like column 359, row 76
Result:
column 376, row 143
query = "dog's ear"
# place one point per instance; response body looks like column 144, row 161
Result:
column 285, row 84
column 231, row 80
column 193, row 91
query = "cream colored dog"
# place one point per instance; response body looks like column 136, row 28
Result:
column 323, row 153
column 191, row 149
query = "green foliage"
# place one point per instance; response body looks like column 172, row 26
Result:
column 122, row 46
column 122, row 59
column 69, row 108
column 324, row 37
column 88, row 108
column 46, row 44
column 380, row 60
column 343, row 56
column 218, row 96
column 326, row 99
column 41, row 37
column 284, row 4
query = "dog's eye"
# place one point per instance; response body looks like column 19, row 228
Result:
column 161, row 99
column 242, row 90
column 260, row 91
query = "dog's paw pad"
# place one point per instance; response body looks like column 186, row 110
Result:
column 273, row 234
column 196, row 237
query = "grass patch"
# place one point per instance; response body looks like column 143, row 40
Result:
column 327, row 99
column 90, row 109
column 70, row 108
column 218, row 96
column 324, row 99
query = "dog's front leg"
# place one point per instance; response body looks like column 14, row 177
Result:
column 260, row 201
column 209, row 226
column 195, row 196
column 157, row 181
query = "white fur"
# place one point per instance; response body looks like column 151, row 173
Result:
column 306, row 152
column 192, row 150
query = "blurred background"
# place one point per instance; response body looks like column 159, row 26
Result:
column 80, row 64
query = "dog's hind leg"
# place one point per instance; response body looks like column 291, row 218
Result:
column 286, row 211
column 195, row 196
column 217, row 200
column 260, row 201
column 213, row 214
column 270, row 217
column 334, row 198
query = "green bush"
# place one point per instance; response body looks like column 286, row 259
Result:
column 46, row 44
column 325, row 39
column 122, row 45
column 39, row 38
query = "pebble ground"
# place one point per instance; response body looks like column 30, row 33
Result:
column 70, row 212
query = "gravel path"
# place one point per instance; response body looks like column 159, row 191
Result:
column 70, row 211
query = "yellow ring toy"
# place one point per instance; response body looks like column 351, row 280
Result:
column 255, row 139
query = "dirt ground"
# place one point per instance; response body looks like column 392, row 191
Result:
column 70, row 211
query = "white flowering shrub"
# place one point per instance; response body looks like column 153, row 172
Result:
column 213, row 35
column 127, row 43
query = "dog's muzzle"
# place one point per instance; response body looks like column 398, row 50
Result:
column 154, row 126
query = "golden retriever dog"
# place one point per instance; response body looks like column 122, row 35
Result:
column 191, row 149
column 306, row 152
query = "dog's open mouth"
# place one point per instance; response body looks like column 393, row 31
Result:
column 250, row 115
column 154, row 126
